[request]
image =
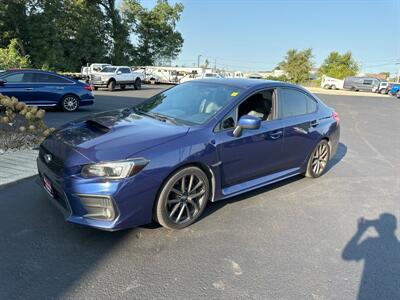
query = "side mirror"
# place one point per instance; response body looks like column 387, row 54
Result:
column 2, row 82
column 119, row 73
column 246, row 122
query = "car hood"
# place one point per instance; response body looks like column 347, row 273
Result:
column 112, row 135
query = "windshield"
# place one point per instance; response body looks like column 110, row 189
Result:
column 190, row 103
column 108, row 70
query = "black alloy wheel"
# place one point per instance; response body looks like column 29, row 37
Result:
column 318, row 160
column 182, row 198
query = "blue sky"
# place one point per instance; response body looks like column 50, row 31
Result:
column 255, row 34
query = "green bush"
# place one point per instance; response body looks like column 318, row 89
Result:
column 11, row 57
column 21, row 126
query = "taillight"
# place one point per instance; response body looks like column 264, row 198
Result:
column 88, row 88
column 335, row 116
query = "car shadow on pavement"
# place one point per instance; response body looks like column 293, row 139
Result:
column 42, row 257
column 381, row 255
column 212, row 207
column 340, row 154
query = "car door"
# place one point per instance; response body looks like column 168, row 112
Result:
column 122, row 76
column 253, row 154
column 49, row 88
column 128, row 76
column 298, row 113
column 18, row 85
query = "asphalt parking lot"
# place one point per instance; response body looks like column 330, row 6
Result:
column 285, row 241
column 104, row 100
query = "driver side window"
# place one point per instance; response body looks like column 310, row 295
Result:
column 259, row 105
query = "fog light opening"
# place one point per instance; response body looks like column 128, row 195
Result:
column 98, row 207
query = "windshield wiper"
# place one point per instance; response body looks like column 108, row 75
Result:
column 157, row 116
column 165, row 118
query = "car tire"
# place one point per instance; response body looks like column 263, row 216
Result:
column 333, row 87
column 69, row 103
column 138, row 84
column 95, row 88
column 182, row 198
column 111, row 85
column 353, row 89
column 152, row 81
column 326, row 86
column 318, row 160
column 398, row 94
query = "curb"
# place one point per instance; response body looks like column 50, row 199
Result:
column 17, row 165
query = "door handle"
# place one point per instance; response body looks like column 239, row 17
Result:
column 276, row 134
column 29, row 89
column 314, row 123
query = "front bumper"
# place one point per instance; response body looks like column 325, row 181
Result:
column 132, row 198
column 99, row 83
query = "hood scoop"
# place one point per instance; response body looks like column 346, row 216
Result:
column 96, row 125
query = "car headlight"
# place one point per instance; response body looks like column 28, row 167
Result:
column 104, row 78
column 114, row 169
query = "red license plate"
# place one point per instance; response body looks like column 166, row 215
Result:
column 47, row 185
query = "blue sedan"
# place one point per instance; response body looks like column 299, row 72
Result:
column 45, row 89
column 201, row 141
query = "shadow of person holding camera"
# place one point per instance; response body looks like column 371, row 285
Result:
column 381, row 255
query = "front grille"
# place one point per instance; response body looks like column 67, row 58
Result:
column 58, row 195
column 56, row 165
column 95, row 78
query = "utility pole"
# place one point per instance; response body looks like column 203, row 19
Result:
column 198, row 60
column 215, row 65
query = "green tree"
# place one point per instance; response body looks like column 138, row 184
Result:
column 339, row 65
column 155, row 30
column 63, row 35
column 297, row 65
column 11, row 57
column 120, row 47
column 13, row 22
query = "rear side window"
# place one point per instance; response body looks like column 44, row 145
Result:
column 367, row 81
column 48, row 78
column 125, row 70
column 295, row 103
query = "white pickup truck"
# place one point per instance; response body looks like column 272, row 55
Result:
column 116, row 76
